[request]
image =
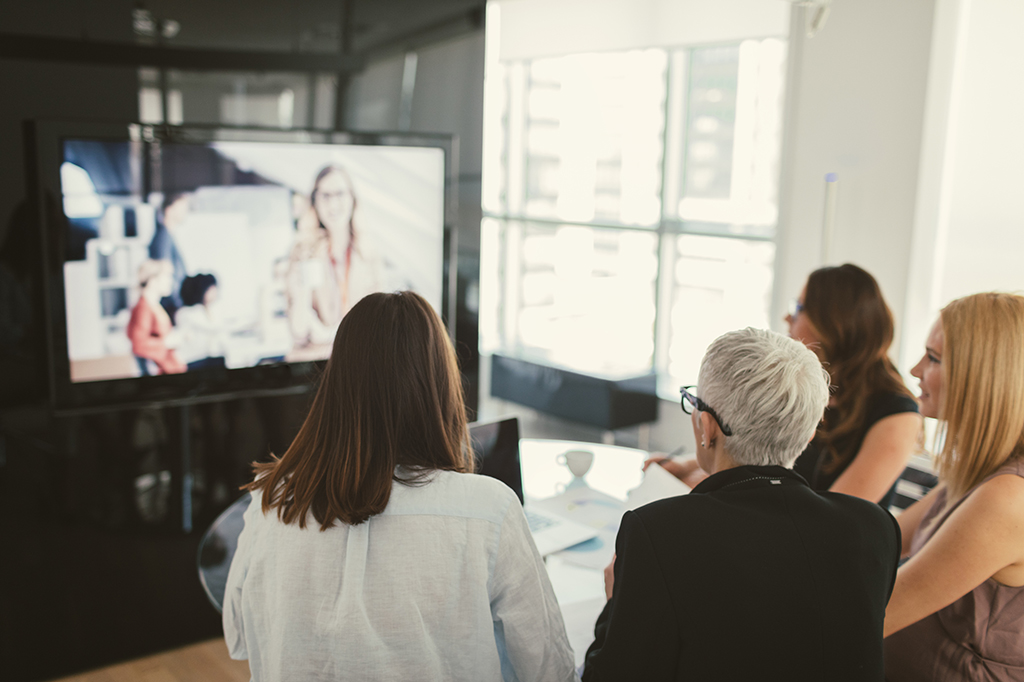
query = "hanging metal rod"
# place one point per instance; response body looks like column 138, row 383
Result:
column 14, row 46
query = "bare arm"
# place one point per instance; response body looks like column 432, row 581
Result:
column 982, row 539
column 887, row 447
column 910, row 518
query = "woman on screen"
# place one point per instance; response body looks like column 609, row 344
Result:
column 200, row 324
column 369, row 552
column 149, row 327
column 173, row 212
column 330, row 266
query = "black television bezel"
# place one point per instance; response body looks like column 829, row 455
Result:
column 281, row 378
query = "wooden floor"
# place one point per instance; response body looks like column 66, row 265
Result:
column 207, row 661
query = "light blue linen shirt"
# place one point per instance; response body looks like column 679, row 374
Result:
column 445, row 584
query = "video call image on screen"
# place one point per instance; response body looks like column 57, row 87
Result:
column 249, row 253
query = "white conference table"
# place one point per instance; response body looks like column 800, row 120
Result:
column 614, row 472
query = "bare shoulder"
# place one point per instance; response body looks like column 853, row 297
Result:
column 994, row 512
column 1003, row 494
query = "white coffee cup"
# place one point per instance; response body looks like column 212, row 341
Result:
column 578, row 461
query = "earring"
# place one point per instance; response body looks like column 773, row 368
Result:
column 703, row 444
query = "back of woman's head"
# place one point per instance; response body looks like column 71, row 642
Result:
column 846, row 307
column 855, row 327
column 391, row 396
column 769, row 389
column 194, row 288
column 983, row 378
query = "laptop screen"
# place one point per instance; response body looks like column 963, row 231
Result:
column 496, row 450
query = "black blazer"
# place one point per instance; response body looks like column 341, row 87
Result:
column 752, row 576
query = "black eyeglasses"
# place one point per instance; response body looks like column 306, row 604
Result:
column 690, row 400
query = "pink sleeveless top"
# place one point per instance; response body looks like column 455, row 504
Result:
column 978, row 637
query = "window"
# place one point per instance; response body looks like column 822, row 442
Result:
column 630, row 202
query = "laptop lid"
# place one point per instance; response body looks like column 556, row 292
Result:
column 496, row 450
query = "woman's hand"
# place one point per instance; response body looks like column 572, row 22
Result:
column 686, row 470
column 609, row 578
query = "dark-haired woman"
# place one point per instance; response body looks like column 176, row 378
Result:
column 369, row 552
column 872, row 426
column 200, row 324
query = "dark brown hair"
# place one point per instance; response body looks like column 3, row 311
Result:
column 845, row 306
column 391, row 396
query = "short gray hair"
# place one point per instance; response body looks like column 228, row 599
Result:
column 769, row 389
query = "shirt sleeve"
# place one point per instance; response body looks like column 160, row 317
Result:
column 636, row 636
column 898, row 551
column 231, row 616
column 888, row 404
column 140, row 332
column 528, row 626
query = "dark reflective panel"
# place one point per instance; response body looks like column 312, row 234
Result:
column 217, row 548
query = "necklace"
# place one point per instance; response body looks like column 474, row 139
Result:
column 774, row 480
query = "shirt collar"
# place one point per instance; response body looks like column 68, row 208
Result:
column 742, row 474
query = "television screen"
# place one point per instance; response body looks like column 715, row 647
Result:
column 195, row 254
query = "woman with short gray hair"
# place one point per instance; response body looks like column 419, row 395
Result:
column 753, row 575
column 771, row 388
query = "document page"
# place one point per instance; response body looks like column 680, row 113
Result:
column 657, row 485
column 583, row 504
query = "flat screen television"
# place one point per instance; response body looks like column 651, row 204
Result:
column 188, row 262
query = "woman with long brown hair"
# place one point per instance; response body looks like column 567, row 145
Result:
column 957, row 608
column 872, row 426
column 369, row 550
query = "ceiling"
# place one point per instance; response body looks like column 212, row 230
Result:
column 289, row 26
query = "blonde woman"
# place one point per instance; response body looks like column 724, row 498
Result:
column 330, row 266
column 149, row 327
column 957, row 610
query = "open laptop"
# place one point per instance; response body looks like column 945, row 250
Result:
column 496, row 448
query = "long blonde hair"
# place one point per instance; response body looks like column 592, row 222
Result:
column 983, row 374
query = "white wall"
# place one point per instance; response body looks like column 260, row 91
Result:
column 931, row 221
column 856, row 105
column 985, row 247
column 576, row 26
column 969, row 232
column 918, row 106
